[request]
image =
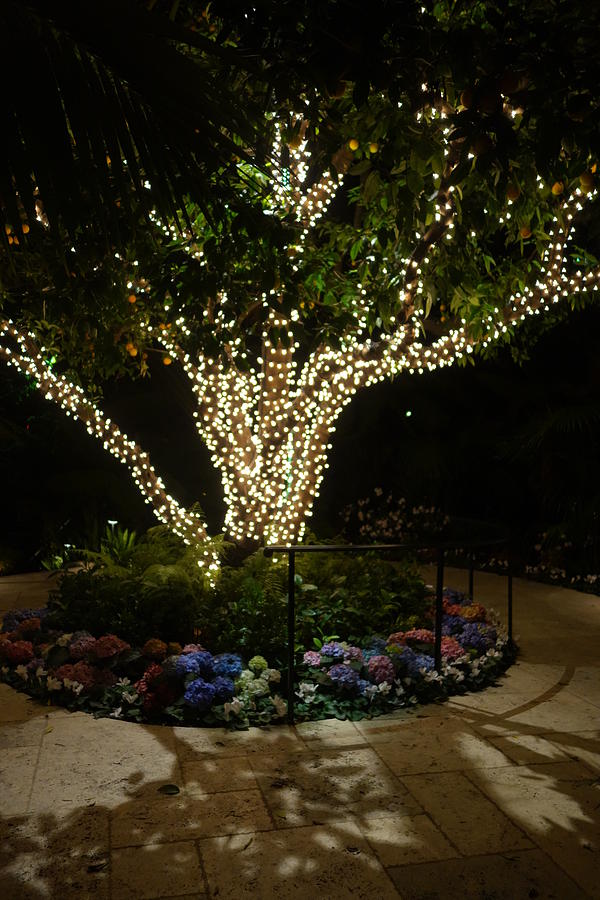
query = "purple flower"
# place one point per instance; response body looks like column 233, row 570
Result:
column 13, row 619
column 312, row 658
column 381, row 668
column 224, row 689
column 333, row 650
column 344, row 677
column 199, row 694
column 353, row 654
column 477, row 636
column 228, row 664
column 453, row 625
column 198, row 663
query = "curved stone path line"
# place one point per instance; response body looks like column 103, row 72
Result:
column 493, row 794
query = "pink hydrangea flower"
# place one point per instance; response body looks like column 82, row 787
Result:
column 451, row 649
column 396, row 638
column 312, row 658
column 83, row 646
column 381, row 669
column 419, row 635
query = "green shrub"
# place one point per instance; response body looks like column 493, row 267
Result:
column 159, row 591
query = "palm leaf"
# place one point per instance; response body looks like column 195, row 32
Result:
column 98, row 83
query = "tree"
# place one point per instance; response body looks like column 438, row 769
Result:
column 399, row 231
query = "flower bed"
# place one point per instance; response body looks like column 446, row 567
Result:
column 167, row 683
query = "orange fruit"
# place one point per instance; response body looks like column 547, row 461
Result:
column 586, row 181
column 482, row 144
column 557, row 188
column 25, row 228
column 7, row 229
column 525, row 232
column 353, row 144
column 167, row 360
column 513, row 191
column 132, row 298
column 129, row 346
column 373, row 147
column 133, row 351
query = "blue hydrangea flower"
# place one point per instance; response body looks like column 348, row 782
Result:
column 422, row 661
column 362, row 685
column 344, row 677
column 200, row 663
column 453, row 625
column 333, row 650
column 377, row 645
column 477, row 636
column 228, row 664
column 200, row 694
column 224, row 689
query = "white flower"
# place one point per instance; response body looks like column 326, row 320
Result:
column 64, row 639
column 40, row 671
column 123, row 682
column 279, row 704
column 273, row 675
column 4, row 670
column 384, row 688
column 53, row 684
column 116, row 713
column 22, row 672
column 371, row 690
column 129, row 696
column 74, row 686
column 306, row 691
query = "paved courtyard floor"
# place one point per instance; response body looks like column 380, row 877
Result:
column 490, row 795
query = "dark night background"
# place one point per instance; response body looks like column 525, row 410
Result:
column 515, row 444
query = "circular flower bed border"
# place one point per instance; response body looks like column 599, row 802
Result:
column 170, row 684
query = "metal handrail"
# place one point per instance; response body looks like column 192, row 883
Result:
column 441, row 547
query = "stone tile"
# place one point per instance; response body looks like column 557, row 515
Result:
column 581, row 746
column 31, row 875
column 585, row 684
column 329, row 733
column 436, row 745
column 464, row 814
column 157, row 870
column 528, row 748
column 330, row 786
column 71, row 833
column 404, row 840
column 333, row 862
column 210, row 774
column 194, row 742
column 185, row 817
column 111, row 774
column 55, row 855
column 564, row 711
column 559, row 806
column 495, row 701
column 22, row 734
column 17, row 769
column 520, row 874
column 17, row 707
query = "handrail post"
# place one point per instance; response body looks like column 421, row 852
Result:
column 439, row 610
column 291, row 634
column 471, row 571
column 510, row 605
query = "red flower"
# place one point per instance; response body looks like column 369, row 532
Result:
column 30, row 625
column 16, row 653
column 109, row 645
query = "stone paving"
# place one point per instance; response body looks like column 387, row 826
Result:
column 490, row 795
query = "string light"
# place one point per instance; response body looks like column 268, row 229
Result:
column 269, row 427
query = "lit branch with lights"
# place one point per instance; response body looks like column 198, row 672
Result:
column 269, row 427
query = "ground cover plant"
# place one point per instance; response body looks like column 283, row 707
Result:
column 143, row 637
